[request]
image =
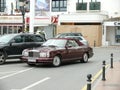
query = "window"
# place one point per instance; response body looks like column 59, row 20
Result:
column 81, row 6
column 95, row 5
column 59, row 5
column 72, row 43
column 18, row 39
column 29, row 38
column 2, row 5
column 117, row 34
column 38, row 39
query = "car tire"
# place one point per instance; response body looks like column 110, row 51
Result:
column 85, row 58
column 56, row 61
column 2, row 58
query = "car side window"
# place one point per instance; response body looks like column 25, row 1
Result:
column 18, row 39
column 29, row 38
column 72, row 43
column 38, row 38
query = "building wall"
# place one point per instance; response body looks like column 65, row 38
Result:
column 111, row 6
column 71, row 6
column 92, row 33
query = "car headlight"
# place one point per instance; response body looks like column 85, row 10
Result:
column 25, row 53
column 44, row 54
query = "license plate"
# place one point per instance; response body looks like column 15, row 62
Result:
column 31, row 59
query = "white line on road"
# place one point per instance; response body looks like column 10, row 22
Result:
column 15, row 73
column 36, row 83
column 8, row 72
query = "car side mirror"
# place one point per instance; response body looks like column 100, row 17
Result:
column 68, row 46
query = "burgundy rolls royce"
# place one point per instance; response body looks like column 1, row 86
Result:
column 56, row 51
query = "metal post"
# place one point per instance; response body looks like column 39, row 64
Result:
column 23, row 10
column 94, row 43
column 12, row 8
column 111, row 60
column 23, row 17
column 89, row 76
column 103, row 72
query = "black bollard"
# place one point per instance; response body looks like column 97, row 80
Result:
column 89, row 76
column 103, row 72
column 111, row 60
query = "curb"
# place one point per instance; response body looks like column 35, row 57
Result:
column 94, row 78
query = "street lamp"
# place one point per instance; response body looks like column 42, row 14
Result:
column 22, row 4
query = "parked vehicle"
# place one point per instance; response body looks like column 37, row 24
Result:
column 62, row 35
column 12, row 45
column 80, row 38
column 56, row 51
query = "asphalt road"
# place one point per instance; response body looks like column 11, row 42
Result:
column 71, row 76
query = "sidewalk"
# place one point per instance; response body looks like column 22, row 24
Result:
column 112, row 81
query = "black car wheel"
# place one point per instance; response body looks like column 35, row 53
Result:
column 56, row 61
column 2, row 58
column 85, row 58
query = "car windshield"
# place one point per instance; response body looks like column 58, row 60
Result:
column 6, row 38
column 55, row 42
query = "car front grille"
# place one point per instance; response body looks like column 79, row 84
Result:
column 33, row 54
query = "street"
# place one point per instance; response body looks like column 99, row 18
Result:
column 69, row 76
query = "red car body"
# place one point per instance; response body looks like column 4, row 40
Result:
column 58, row 50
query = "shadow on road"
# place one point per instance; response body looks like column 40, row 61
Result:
column 65, row 64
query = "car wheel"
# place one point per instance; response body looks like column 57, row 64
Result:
column 56, row 61
column 85, row 58
column 2, row 58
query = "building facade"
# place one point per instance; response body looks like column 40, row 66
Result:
column 111, row 32
column 90, row 17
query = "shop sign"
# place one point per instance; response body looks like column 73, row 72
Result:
column 116, row 23
column 10, row 19
column 27, row 20
column 54, row 19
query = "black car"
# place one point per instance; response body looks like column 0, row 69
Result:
column 12, row 45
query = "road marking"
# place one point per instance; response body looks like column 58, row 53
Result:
column 15, row 73
column 34, row 84
column 8, row 72
column 95, row 77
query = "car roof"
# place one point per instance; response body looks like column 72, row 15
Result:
column 60, row 35
column 64, row 38
column 71, row 33
column 75, row 37
column 15, row 34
